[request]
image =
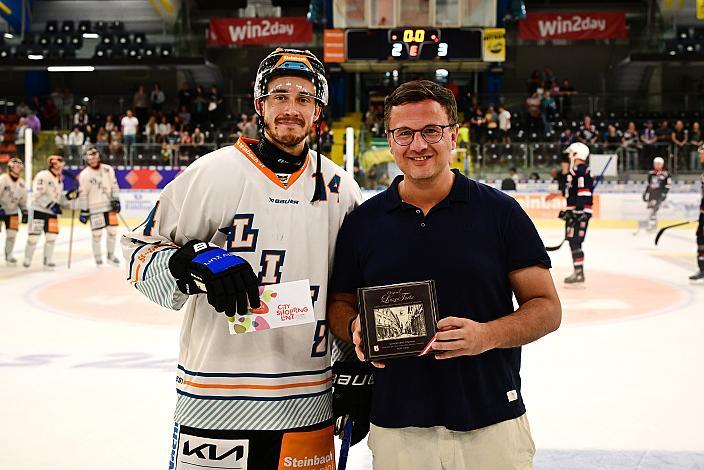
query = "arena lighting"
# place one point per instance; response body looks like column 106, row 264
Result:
column 68, row 68
column 91, row 36
column 35, row 56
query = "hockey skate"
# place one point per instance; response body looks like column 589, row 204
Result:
column 26, row 263
column 575, row 277
column 11, row 262
column 98, row 261
column 697, row 278
column 113, row 261
column 49, row 265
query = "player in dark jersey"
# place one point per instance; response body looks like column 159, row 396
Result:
column 656, row 188
column 578, row 192
column 699, row 276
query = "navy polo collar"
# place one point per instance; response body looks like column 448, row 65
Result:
column 458, row 193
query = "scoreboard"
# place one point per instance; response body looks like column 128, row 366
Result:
column 414, row 44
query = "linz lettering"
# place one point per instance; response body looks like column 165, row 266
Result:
column 570, row 25
column 263, row 30
column 396, row 296
column 212, row 452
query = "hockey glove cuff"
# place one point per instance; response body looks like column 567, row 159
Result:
column 83, row 216
column 352, row 397
column 227, row 279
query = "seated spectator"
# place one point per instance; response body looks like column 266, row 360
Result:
column 663, row 134
column 109, row 123
column 80, row 118
column 587, row 133
column 163, row 129
column 567, row 137
column 198, row 137
column 185, row 115
column 613, row 138
column 76, row 139
column 534, row 176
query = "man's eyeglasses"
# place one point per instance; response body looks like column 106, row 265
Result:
column 432, row 134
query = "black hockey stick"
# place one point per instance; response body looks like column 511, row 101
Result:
column 598, row 180
column 662, row 230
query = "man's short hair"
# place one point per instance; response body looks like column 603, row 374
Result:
column 421, row 90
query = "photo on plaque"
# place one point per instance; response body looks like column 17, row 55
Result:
column 398, row 320
column 406, row 321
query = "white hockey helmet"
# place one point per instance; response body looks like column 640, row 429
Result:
column 578, row 150
column 659, row 160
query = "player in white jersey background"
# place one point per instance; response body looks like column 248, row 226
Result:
column 48, row 202
column 13, row 199
column 256, row 213
column 99, row 201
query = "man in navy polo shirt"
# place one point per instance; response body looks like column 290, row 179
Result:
column 461, row 408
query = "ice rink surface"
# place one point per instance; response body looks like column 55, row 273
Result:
column 88, row 365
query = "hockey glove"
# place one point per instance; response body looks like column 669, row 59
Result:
column 83, row 217
column 115, row 205
column 72, row 194
column 227, row 279
column 2, row 212
column 55, row 208
column 567, row 215
column 352, row 398
column 584, row 217
column 645, row 197
column 25, row 217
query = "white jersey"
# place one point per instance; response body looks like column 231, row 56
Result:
column 48, row 189
column 265, row 380
column 13, row 194
column 97, row 188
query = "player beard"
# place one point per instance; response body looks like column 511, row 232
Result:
column 289, row 139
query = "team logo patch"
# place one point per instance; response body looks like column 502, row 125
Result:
column 196, row 453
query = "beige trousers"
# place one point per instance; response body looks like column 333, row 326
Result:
column 507, row 445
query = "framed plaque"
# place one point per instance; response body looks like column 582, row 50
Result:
column 398, row 320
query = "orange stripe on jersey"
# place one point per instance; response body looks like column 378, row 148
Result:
column 242, row 146
column 258, row 387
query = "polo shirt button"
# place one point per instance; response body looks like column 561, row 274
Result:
column 422, row 224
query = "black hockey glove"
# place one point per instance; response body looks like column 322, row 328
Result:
column 83, row 216
column 115, row 205
column 584, row 217
column 25, row 217
column 645, row 197
column 55, row 208
column 227, row 279
column 352, row 383
column 567, row 215
column 72, row 194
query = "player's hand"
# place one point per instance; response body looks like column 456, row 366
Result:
column 115, row 205
column 55, row 208
column 460, row 337
column 227, row 279
column 567, row 215
column 358, row 342
column 83, row 216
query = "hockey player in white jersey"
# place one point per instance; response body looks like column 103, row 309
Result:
column 255, row 213
column 48, row 202
column 99, row 200
column 13, row 206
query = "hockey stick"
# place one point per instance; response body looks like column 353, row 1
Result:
column 122, row 219
column 662, row 230
column 70, row 238
column 598, row 180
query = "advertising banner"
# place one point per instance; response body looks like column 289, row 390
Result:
column 248, row 31
column 573, row 26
